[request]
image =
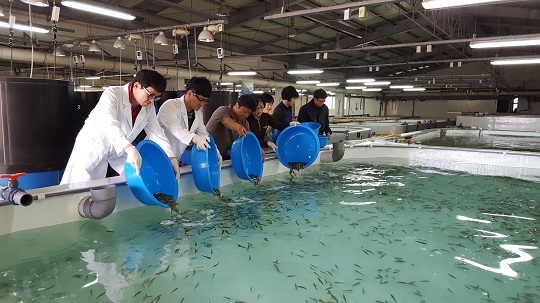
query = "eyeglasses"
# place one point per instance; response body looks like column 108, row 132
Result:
column 151, row 96
column 201, row 100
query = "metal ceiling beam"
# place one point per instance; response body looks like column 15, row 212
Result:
column 505, row 12
column 320, row 10
column 184, row 9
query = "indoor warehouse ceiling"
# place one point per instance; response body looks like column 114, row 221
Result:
column 400, row 42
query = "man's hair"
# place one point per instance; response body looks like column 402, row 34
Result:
column 288, row 93
column 320, row 94
column 257, row 97
column 267, row 98
column 150, row 78
column 247, row 101
column 200, row 86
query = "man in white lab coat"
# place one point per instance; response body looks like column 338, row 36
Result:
column 182, row 119
column 107, row 135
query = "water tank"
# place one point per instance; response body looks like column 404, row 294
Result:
column 36, row 124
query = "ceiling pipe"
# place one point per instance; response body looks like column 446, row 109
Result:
column 47, row 59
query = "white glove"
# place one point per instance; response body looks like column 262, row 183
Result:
column 201, row 142
column 134, row 159
column 294, row 123
column 176, row 168
column 219, row 158
column 272, row 145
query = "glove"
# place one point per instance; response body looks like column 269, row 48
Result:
column 294, row 123
column 272, row 145
column 134, row 159
column 201, row 142
column 176, row 168
column 219, row 158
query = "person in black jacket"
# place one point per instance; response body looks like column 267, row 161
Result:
column 316, row 111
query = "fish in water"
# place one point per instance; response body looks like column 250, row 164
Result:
column 166, row 199
column 218, row 192
column 296, row 165
column 255, row 179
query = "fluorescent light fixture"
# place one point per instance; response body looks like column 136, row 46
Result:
column 414, row 89
column 516, row 61
column 85, row 86
column 373, row 89
column 25, row 27
column 377, row 83
column 308, row 82
column 401, row 86
column 242, row 73
column 360, row 80
column 93, row 78
column 226, row 83
column 355, row 87
column 98, row 10
column 40, row 3
column 304, row 71
column 328, row 84
column 525, row 40
column 434, row 4
column 258, row 91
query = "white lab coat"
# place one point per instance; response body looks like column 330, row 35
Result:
column 106, row 131
column 173, row 118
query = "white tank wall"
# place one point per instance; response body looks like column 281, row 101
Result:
column 516, row 122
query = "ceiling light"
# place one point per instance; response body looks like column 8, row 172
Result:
column 223, row 11
column 58, row 52
column 93, row 78
column 292, row 32
column 516, row 61
column 119, row 43
column 93, row 47
column 98, row 10
column 85, row 86
column 25, row 27
column 304, row 71
column 206, row 36
column 401, row 86
column 328, row 84
column 373, row 89
column 525, row 40
column 433, row 4
column 376, row 83
column 161, row 39
column 225, row 83
column 414, row 89
column 41, row 3
column 355, row 87
column 308, row 82
column 242, row 73
column 360, row 80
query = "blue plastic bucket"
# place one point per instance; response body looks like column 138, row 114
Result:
column 297, row 144
column 312, row 125
column 246, row 157
column 156, row 175
column 205, row 168
column 323, row 140
column 275, row 134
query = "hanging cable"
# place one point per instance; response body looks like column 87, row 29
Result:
column 11, row 24
column 188, row 55
column 31, row 40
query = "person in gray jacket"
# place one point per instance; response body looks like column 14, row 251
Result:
column 316, row 111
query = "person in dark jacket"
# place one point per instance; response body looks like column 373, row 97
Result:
column 260, row 121
column 283, row 111
column 316, row 111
